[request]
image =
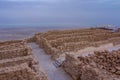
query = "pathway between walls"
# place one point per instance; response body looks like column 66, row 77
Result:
column 46, row 63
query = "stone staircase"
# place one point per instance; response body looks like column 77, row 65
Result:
column 57, row 63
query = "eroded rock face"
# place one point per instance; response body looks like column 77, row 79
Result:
column 103, row 65
column 18, row 63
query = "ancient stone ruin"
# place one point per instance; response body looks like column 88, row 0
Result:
column 102, row 65
column 18, row 63
column 76, row 48
column 57, row 43
column 85, row 54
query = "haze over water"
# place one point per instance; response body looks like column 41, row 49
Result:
column 65, row 13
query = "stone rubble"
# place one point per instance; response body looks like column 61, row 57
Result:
column 102, row 65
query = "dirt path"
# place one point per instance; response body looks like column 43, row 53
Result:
column 46, row 63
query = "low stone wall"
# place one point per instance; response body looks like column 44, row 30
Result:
column 54, row 36
column 57, row 43
column 116, row 41
column 89, row 38
column 12, row 46
column 71, row 66
column 18, row 63
column 11, row 42
column 12, row 49
column 15, row 53
column 40, row 72
column 30, row 60
column 64, row 32
column 31, row 39
column 98, row 66
column 19, row 72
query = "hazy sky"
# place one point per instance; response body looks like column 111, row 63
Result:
column 59, row 12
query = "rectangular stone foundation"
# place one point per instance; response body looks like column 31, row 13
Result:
column 12, row 49
column 57, row 43
column 30, row 60
column 18, row 63
column 19, row 72
column 15, row 53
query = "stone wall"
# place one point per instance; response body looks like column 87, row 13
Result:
column 98, row 66
column 11, row 42
column 60, row 32
column 19, row 72
column 18, row 63
column 59, row 42
column 12, row 46
column 54, row 36
column 30, row 60
column 15, row 53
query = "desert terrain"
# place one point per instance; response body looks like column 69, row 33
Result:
column 63, row 54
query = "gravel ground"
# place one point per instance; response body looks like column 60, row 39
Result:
column 46, row 63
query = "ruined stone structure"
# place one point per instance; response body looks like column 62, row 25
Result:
column 18, row 63
column 78, row 47
column 57, row 43
column 102, row 65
